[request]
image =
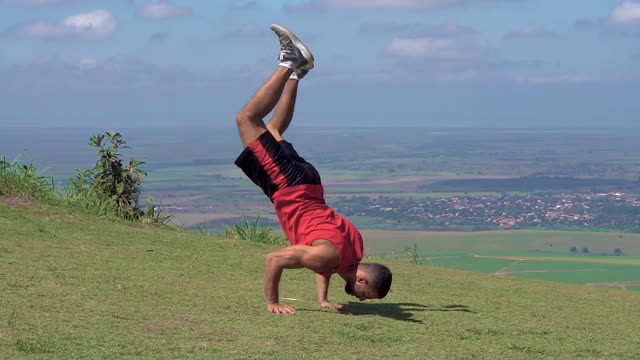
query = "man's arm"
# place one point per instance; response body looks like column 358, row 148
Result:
column 323, row 290
column 320, row 258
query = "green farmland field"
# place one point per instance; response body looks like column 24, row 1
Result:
column 506, row 242
column 567, row 264
column 468, row 263
column 587, row 276
column 532, row 254
column 597, row 270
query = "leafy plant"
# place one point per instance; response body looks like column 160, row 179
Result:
column 413, row 253
column 204, row 228
column 110, row 187
column 23, row 179
column 230, row 232
column 153, row 214
column 251, row 231
column 112, row 179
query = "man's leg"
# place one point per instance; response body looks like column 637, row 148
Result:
column 249, row 119
column 284, row 111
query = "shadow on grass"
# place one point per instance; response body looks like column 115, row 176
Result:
column 398, row 311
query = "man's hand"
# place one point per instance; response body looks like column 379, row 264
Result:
column 323, row 289
column 322, row 256
column 281, row 309
column 332, row 305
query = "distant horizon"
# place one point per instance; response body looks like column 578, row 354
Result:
column 325, row 127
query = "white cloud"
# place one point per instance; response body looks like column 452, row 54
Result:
column 461, row 76
column 426, row 47
column 382, row 4
column 563, row 79
column 88, row 62
column 626, row 13
column 416, row 30
column 438, row 47
column 391, row 4
column 530, row 32
column 32, row 2
column 163, row 10
column 93, row 25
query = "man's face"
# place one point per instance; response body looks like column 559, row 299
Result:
column 361, row 291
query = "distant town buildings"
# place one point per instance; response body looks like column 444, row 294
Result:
column 614, row 210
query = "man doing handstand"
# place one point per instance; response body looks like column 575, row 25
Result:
column 321, row 240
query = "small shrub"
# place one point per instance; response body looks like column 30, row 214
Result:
column 20, row 179
column 413, row 253
column 230, row 232
column 370, row 253
column 113, row 180
column 110, row 187
column 204, row 229
column 252, row 232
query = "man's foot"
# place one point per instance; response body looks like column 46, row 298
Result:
column 298, row 74
column 293, row 53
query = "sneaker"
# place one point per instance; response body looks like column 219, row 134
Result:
column 298, row 74
column 293, row 53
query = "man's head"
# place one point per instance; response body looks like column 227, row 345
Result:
column 372, row 281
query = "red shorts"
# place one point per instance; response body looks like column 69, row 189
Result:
column 274, row 165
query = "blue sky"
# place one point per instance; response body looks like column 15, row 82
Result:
column 436, row 63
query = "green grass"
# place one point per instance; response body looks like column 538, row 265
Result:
column 79, row 286
column 23, row 180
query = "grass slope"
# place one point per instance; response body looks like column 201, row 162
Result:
column 77, row 286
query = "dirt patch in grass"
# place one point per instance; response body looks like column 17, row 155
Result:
column 180, row 324
column 9, row 330
column 15, row 201
column 60, row 218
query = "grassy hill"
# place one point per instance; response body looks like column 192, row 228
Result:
column 78, row 286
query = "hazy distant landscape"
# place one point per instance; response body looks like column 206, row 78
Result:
column 569, row 198
column 397, row 179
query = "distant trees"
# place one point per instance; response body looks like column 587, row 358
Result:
column 585, row 251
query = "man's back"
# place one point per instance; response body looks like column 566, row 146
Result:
column 305, row 218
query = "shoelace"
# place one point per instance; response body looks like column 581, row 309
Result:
column 288, row 54
column 287, row 48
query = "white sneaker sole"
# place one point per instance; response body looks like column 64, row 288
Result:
column 298, row 44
